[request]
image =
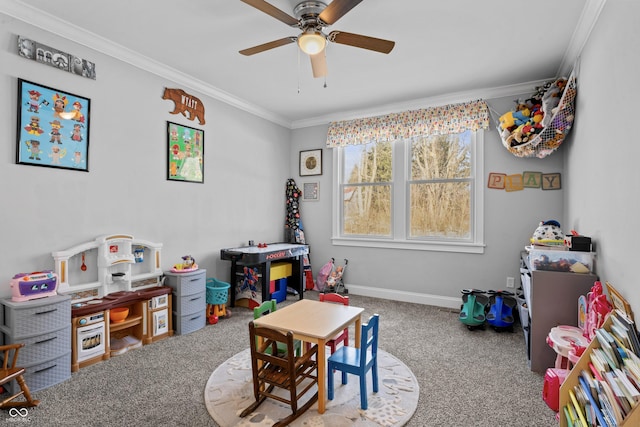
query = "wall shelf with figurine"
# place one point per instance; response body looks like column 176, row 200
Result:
column 108, row 264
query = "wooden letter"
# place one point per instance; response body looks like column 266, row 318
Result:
column 514, row 183
column 532, row 179
column 551, row 181
column 496, row 180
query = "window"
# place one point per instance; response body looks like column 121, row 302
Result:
column 420, row 193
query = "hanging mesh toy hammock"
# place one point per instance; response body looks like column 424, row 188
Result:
column 537, row 126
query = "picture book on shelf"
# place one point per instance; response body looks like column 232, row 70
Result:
column 607, row 387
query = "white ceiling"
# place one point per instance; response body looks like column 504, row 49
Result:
column 465, row 47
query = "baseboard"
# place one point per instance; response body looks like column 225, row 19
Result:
column 395, row 295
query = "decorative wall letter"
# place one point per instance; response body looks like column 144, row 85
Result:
column 518, row 182
column 531, row 179
column 551, row 181
column 513, row 183
column 496, row 180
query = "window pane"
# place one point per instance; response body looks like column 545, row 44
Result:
column 441, row 157
column 367, row 163
column 441, row 210
column 367, row 210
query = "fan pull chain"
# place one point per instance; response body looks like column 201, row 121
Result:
column 298, row 50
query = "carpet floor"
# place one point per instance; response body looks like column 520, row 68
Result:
column 230, row 389
column 466, row 378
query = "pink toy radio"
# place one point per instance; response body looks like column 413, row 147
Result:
column 28, row 286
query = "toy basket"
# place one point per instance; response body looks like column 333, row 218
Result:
column 217, row 291
column 543, row 137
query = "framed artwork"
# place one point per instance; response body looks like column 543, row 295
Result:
column 311, row 191
column 311, row 162
column 185, row 153
column 53, row 127
column 618, row 301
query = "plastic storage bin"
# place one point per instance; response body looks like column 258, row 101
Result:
column 217, row 291
column 557, row 260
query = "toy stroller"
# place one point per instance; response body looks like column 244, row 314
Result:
column 474, row 305
column 330, row 277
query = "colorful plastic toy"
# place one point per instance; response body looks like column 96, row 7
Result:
column 217, row 295
column 472, row 311
column 500, row 315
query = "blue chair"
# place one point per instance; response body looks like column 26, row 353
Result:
column 269, row 307
column 358, row 361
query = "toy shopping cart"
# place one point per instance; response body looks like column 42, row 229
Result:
column 330, row 277
column 217, row 295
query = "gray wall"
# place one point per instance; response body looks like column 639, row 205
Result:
column 602, row 181
column 436, row 277
column 249, row 159
column 126, row 191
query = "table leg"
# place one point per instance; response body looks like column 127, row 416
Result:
column 322, row 376
column 358, row 331
column 232, row 282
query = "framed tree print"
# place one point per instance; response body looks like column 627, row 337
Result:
column 185, row 153
column 311, row 162
column 53, row 127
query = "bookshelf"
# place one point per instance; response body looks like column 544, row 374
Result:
column 631, row 420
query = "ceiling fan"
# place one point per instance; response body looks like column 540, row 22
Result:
column 311, row 18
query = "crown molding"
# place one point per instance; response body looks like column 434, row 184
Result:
column 36, row 17
column 33, row 16
column 416, row 104
column 581, row 33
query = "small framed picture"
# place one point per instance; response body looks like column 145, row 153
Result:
column 311, row 162
column 311, row 191
column 618, row 301
column 53, row 127
column 185, row 153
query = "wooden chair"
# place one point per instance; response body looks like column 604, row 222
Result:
column 296, row 375
column 358, row 361
column 269, row 307
column 10, row 372
column 342, row 337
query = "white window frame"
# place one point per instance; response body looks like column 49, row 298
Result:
column 400, row 216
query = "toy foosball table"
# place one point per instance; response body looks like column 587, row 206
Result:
column 260, row 259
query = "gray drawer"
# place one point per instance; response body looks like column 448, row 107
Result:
column 187, row 283
column 35, row 317
column 190, row 323
column 42, row 347
column 190, row 304
column 45, row 374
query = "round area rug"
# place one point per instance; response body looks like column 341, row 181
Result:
column 230, row 390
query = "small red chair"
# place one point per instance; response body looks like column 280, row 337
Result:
column 344, row 335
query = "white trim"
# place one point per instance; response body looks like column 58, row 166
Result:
column 404, row 296
column 416, row 245
column 475, row 245
column 581, row 33
column 33, row 16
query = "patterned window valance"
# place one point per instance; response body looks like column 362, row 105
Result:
column 454, row 118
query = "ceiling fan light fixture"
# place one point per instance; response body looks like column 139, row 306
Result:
column 312, row 42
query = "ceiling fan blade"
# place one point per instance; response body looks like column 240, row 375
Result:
column 319, row 64
column 267, row 46
column 336, row 10
column 273, row 11
column 364, row 42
